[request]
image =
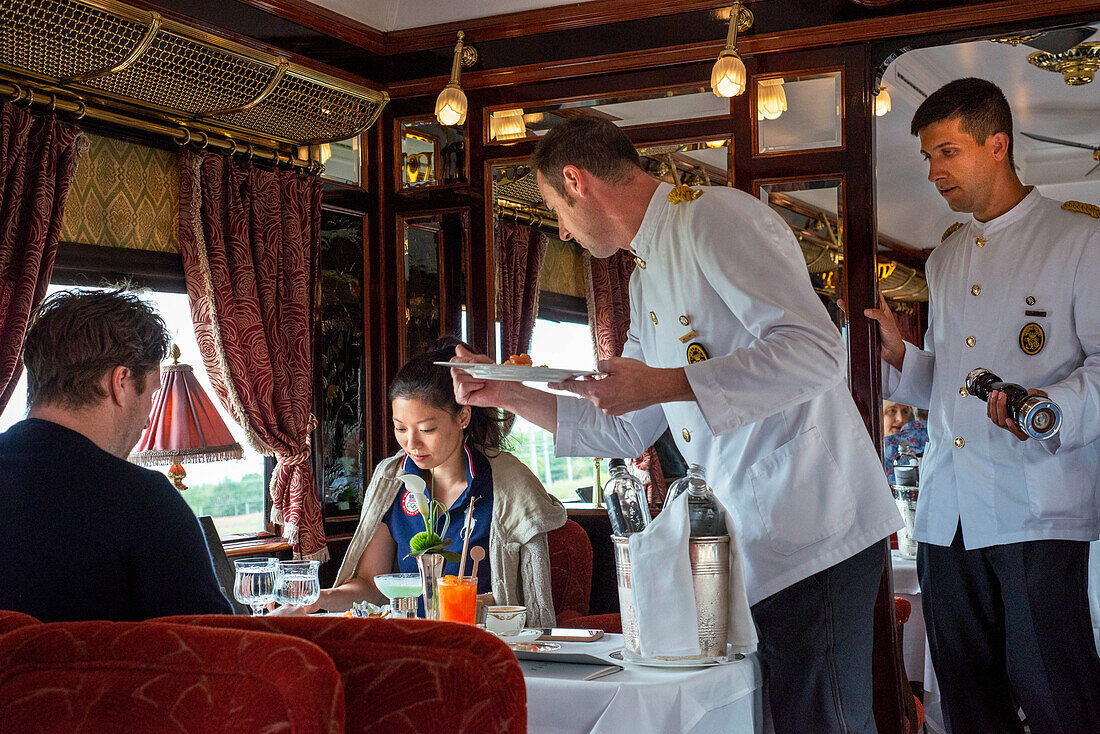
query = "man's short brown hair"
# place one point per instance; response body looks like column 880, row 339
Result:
column 75, row 336
column 980, row 106
column 587, row 142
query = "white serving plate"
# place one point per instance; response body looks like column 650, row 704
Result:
column 628, row 657
column 524, row 635
column 516, row 372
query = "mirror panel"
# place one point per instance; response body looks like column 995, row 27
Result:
column 696, row 102
column 343, row 161
column 432, row 290
column 429, row 154
column 798, row 112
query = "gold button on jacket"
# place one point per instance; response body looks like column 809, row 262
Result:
column 963, row 392
column 980, row 242
column 959, row 442
column 975, row 290
column 686, row 434
column 970, row 341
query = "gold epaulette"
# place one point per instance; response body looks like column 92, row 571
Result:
column 1079, row 206
column 951, row 230
column 683, row 193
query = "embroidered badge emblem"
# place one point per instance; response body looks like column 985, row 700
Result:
column 408, row 504
column 696, row 353
column 1032, row 338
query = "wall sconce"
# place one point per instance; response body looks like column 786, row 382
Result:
column 507, row 125
column 451, row 105
column 771, row 99
column 882, row 102
column 727, row 78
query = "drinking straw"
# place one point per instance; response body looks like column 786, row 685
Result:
column 466, row 540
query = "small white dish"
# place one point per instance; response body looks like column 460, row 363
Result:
column 524, row 635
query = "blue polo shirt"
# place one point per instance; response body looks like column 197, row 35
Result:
column 404, row 520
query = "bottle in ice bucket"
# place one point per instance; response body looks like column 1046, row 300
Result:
column 704, row 514
column 624, row 495
column 906, row 466
column 905, row 488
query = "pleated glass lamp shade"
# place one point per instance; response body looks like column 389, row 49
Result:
column 451, row 105
column 727, row 78
column 882, row 102
column 507, row 125
column 771, row 99
column 184, row 426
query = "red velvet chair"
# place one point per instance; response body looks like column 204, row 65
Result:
column 409, row 676
column 570, row 570
column 10, row 620
column 134, row 677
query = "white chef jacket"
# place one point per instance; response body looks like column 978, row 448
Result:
column 1037, row 264
column 774, row 425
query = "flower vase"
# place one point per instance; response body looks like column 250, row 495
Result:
column 431, row 570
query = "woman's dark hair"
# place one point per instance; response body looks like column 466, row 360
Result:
column 421, row 379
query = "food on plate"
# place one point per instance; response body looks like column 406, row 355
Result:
column 519, row 359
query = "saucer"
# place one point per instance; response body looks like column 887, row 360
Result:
column 524, row 635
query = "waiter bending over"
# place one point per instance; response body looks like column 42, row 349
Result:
column 730, row 346
column 1004, row 521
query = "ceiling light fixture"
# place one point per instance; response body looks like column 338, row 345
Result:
column 507, row 125
column 451, row 104
column 1077, row 66
column 727, row 78
column 882, row 102
column 771, row 99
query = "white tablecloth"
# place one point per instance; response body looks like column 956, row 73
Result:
column 639, row 700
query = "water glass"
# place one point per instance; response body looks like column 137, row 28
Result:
column 255, row 582
column 298, row 584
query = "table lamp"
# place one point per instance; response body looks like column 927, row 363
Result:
column 183, row 425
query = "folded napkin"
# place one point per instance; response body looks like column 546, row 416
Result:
column 664, row 596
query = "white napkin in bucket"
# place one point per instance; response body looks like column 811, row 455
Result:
column 664, row 596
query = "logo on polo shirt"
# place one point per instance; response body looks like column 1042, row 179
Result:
column 408, row 504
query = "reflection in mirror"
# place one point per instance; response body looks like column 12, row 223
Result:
column 342, row 161
column 430, row 154
column 799, row 112
column 643, row 108
column 813, row 211
column 432, row 292
column 340, row 448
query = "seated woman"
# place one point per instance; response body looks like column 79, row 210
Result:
column 900, row 426
column 456, row 449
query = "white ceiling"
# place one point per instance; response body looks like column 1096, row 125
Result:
column 909, row 209
column 393, row 15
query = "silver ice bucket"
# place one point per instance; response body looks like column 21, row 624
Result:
column 710, row 575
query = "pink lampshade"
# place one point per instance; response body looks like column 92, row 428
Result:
column 183, row 426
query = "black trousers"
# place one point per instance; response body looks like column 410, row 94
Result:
column 1009, row 625
column 816, row 639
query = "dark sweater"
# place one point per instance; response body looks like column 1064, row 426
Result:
column 86, row 535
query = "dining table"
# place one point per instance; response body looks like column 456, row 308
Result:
column 640, row 699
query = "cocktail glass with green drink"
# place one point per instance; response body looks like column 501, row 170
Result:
column 403, row 590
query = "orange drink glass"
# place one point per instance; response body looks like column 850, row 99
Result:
column 457, row 599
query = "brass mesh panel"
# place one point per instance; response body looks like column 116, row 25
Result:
column 63, row 38
column 303, row 110
column 524, row 191
column 179, row 74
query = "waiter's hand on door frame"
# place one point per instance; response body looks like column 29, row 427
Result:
column 624, row 385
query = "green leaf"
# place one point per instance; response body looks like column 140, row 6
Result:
column 450, row 556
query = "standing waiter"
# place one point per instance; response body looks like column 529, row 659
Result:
column 1004, row 521
column 730, row 346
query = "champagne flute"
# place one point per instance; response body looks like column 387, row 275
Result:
column 256, row 581
column 298, row 584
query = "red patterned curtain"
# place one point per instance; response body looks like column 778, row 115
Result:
column 520, row 251
column 250, row 239
column 607, row 287
column 38, row 159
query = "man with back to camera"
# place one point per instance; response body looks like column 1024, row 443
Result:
column 89, row 535
column 755, row 393
column 1003, row 520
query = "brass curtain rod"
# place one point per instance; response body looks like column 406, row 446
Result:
column 180, row 134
